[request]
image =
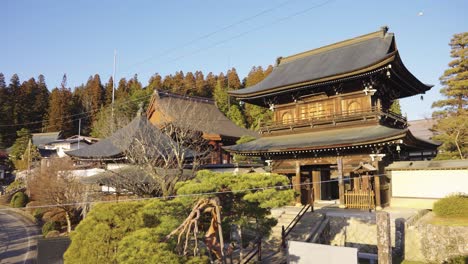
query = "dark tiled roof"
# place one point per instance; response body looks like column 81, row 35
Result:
column 336, row 61
column 119, row 142
column 203, row 115
column 47, row 153
column 428, row 165
column 109, row 178
column 41, row 139
column 422, row 128
column 320, row 139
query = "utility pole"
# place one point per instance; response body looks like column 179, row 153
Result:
column 29, row 167
column 113, row 92
column 79, row 132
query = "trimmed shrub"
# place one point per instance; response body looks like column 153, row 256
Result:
column 53, row 233
column 19, row 200
column 50, row 226
column 15, row 185
column 457, row 260
column 453, row 205
column 38, row 213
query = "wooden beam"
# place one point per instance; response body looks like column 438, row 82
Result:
column 339, row 162
column 316, row 184
column 297, row 182
column 378, row 201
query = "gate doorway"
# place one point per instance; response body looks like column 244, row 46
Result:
column 316, row 184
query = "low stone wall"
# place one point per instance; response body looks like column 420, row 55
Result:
column 361, row 233
column 433, row 244
column 412, row 239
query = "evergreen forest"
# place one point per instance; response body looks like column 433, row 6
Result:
column 32, row 107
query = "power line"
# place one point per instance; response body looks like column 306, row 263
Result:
column 82, row 114
column 288, row 186
column 292, row 15
column 207, row 35
column 201, row 49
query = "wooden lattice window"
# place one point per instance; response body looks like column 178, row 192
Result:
column 287, row 118
column 353, row 107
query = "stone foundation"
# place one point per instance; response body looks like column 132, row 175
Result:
column 430, row 243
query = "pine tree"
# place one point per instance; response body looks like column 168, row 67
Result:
column 233, row 81
column 4, row 113
column 134, row 84
column 25, row 99
column 452, row 118
column 122, row 89
column 80, row 111
column 221, row 80
column 41, row 102
column 97, row 93
column 210, row 84
column 60, row 109
column 221, row 97
column 109, row 91
column 178, row 83
column 155, row 82
column 21, row 143
column 168, row 82
column 189, row 84
column 255, row 115
column 235, row 115
column 13, row 91
column 255, row 76
column 200, row 84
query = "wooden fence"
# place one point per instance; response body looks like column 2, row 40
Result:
column 362, row 199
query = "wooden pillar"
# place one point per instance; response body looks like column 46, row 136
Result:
column 316, row 184
column 220, row 153
column 378, row 202
column 297, row 182
column 339, row 162
column 384, row 242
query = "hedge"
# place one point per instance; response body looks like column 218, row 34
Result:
column 19, row 200
column 455, row 205
column 50, row 226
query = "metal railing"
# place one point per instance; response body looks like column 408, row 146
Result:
column 255, row 251
column 321, row 119
column 285, row 231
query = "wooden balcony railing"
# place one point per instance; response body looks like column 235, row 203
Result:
column 319, row 120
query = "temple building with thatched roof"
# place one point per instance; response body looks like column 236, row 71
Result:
column 198, row 114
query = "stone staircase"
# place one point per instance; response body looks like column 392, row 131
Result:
column 304, row 230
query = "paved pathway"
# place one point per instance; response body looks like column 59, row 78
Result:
column 18, row 239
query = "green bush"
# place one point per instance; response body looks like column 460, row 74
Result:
column 19, row 200
column 457, row 260
column 50, row 226
column 38, row 213
column 453, row 205
column 15, row 185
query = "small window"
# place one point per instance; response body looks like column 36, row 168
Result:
column 353, row 107
column 287, row 118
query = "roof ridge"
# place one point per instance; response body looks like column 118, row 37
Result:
column 380, row 33
column 186, row 97
column 46, row 133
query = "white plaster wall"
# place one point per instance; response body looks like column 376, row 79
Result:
column 429, row 183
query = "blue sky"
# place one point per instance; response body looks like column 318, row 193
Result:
column 79, row 37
